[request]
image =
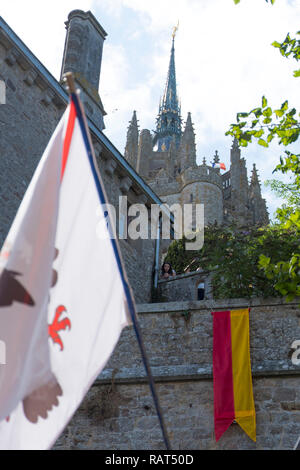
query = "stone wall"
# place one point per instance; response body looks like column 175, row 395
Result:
column 118, row 412
column 35, row 102
column 27, row 121
column 184, row 287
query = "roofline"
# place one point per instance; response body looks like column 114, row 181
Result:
column 27, row 52
column 65, row 97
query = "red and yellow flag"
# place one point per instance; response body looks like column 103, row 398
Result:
column 233, row 395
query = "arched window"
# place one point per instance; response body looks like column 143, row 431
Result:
column 200, row 290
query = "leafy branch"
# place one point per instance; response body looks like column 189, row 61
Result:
column 263, row 124
column 290, row 46
column 271, row 1
column 248, row 262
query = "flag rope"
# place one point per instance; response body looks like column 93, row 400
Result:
column 131, row 305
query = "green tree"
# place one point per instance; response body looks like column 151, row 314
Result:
column 232, row 256
column 262, row 124
column 287, row 191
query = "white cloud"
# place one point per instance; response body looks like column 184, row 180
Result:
column 41, row 27
column 224, row 64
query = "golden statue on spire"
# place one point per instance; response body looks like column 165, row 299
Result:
column 175, row 30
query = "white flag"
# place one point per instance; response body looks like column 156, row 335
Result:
column 63, row 292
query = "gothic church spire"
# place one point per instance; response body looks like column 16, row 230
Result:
column 168, row 125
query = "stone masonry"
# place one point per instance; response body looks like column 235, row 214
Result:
column 184, row 287
column 118, row 412
column 35, row 101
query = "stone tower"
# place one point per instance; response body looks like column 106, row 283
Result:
column 144, row 150
column 83, row 56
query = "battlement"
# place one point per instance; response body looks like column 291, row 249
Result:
column 164, row 189
column 202, row 173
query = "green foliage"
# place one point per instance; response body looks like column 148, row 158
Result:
column 290, row 163
column 287, row 191
column 288, row 214
column 264, row 124
column 237, row 260
column 271, row 1
column 282, row 123
column 176, row 256
column 286, row 274
column 290, row 46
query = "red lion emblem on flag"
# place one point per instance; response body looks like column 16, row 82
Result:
column 58, row 325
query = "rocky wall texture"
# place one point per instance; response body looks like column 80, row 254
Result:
column 184, row 287
column 118, row 412
column 122, row 417
column 27, row 121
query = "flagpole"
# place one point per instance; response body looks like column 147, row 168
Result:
column 68, row 76
column 131, row 305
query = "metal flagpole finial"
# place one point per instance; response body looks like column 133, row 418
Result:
column 175, row 29
column 69, row 78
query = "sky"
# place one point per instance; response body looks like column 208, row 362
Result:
column 224, row 63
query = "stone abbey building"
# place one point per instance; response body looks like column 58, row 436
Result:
column 154, row 168
column 167, row 162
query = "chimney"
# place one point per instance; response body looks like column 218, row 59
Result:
column 83, row 57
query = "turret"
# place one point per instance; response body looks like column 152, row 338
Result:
column 203, row 185
column 187, row 149
column 258, row 204
column 235, row 153
column 239, row 186
column 255, row 183
column 132, row 141
column 144, row 153
column 83, row 57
